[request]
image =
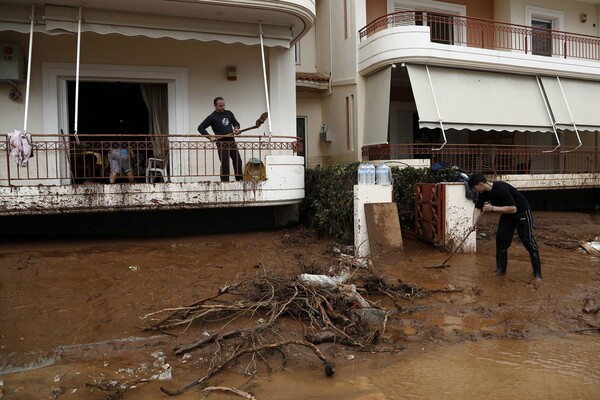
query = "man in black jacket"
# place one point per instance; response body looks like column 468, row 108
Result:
column 223, row 122
column 515, row 213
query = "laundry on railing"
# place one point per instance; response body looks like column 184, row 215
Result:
column 21, row 146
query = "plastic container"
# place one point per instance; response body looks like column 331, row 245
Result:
column 370, row 174
column 362, row 174
column 383, row 175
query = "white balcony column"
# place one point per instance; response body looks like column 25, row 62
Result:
column 282, row 91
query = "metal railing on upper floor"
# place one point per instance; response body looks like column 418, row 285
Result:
column 62, row 160
column 488, row 34
column 493, row 159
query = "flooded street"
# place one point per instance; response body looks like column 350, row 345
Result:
column 70, row 321
column 542, row 368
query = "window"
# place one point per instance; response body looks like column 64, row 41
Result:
column 438, row 16
column 301, row 124
column 543, row 21
column 440, row 26
column 349, row 122
column 541, row 38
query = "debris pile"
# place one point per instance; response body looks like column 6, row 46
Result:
column 246, row 318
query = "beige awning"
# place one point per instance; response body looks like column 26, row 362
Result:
column 54, row 20
column 473, row 100
column 377, row 109
column 574, row 103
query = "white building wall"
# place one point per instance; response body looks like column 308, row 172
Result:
column 206, row 64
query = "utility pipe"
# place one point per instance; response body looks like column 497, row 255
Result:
column 32, row 20
column 437, row 109
column 76, row 118
column 545, row 99
column 570, row 115
column 262, row 54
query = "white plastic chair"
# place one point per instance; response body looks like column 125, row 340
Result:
column 156, row 166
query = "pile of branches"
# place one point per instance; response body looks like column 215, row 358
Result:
column 246, row 318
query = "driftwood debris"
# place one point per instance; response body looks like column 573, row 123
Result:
column 246, row 319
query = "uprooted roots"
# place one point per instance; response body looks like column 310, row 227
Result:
column 245, row 318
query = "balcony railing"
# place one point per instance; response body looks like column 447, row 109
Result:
column 493, row 159
column 60, row 160
column 487, row 34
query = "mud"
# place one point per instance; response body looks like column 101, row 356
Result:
column 70, row 317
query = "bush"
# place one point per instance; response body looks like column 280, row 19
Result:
column 328, row 205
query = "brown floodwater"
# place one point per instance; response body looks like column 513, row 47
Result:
column 543, row 368
column 70, row 314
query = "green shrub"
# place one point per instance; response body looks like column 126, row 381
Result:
column 329, row 194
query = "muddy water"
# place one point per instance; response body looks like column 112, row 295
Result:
column 544, row 368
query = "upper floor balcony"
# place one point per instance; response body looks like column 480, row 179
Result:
column 279, row 22
column 66, row 174
column 527, row 167
column 468, row 42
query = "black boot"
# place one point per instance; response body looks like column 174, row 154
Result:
column 535, row 263
column 501, row 261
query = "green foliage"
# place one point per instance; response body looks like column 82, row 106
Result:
column 328, row 203
column 329, row 194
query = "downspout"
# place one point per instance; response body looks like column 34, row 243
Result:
column 262, row 53
column 437, row 109
column 330, row 52
column 544, row 97
column 570, row 115
column 76, row 117
column 32, row 20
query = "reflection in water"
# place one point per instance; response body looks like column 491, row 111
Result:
column 550, row 367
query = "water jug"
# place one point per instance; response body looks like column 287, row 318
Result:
column 370, row 174
column 384, row 175
column 362, row 174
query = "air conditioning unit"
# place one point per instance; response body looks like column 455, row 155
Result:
column 324, row 133
column 11, row 63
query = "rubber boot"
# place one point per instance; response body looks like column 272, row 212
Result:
column 501, row 261
column 112, row 177
column 536, row 265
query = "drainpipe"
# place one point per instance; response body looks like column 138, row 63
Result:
column 76, row 122
column 262, row 54
column 330, row 51
column 570, row 115
column 544, row 97
column 437, row 109
column 32, row 20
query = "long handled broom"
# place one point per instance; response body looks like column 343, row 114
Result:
column 444, row 265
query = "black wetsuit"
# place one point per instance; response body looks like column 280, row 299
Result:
column 223, row 124
column 503, row 194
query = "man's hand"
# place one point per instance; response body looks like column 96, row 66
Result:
column 236, row 131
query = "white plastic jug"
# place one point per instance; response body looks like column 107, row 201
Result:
column 384, row 174
column 371, row 174
column 366, row 174
column 362, row 174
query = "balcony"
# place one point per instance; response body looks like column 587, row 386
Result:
column 65, row 175
column 416, row 36
column 526, row 167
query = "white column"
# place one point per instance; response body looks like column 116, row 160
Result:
column 459, row 217
column 282, row 91
column 364, row 194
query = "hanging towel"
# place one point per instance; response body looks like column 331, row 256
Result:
column 21, row 146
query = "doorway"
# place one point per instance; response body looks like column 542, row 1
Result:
column 109, row 113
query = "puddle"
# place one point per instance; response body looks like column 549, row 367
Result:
column 552, row 368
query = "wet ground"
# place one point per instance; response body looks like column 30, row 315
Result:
column 70, row 317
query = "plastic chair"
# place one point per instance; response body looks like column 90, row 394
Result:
column 156, row 166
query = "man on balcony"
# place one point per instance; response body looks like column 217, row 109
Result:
column 515, row 213
column 223, row 123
